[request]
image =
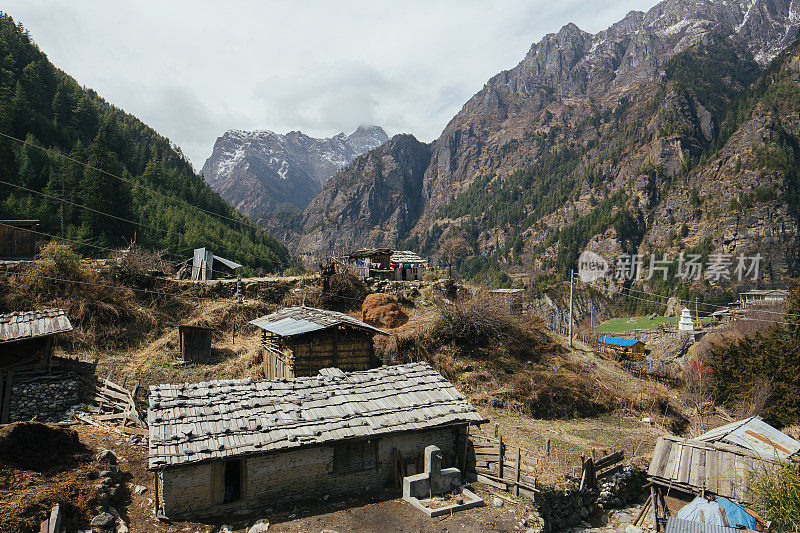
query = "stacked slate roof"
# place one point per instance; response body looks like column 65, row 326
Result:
column 191, row 423
column 299, row 320
column 405, row 256
column 23, row 325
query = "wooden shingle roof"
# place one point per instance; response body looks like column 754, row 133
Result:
column 299, row 320
column 198, row 422
column 22, row 325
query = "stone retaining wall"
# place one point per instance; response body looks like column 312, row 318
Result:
column 48, row 401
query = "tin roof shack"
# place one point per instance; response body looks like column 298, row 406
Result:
column 29, row 334
column 222, row 445
column 510, row 299
column 17, row 239
column 206, row 265
column 194, row 342
column 716, row 463
column 300, row 341
column 617, row 348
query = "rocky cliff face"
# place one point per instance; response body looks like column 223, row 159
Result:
column 262, row 172
column 372, row 202
column 620, row 142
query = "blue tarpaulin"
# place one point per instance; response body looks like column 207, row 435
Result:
column 736, row 514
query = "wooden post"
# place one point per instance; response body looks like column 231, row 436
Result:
column 500, row 454
column 548, row 448
column 496, row 429
column 655, row 507
column 7, row 396
column 464, row 456
column 519, row 467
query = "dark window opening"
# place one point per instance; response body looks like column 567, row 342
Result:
column 233, row 481
column 355, row 456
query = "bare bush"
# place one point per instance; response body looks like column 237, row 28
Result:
column 136, row 264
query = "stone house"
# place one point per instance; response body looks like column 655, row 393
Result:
column 384, row 263
column 300, row 341
column 28, row 335
column 223, row 446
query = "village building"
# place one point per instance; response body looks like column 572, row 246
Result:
column 384, row 263
column 715, row 464
column 28, row 335
column 509, row 299
column 17, row 239
column 194, row 342
column 763, row 296
column 219, row 446
column 300, row 341
column 617, row 348
column 206, row 266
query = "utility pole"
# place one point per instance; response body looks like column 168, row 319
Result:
column 571, row 283
column 696, row 316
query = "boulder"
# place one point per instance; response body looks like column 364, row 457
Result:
column 259, row 527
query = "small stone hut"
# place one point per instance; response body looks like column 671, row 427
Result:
column 300, row 341
column 17, row 239
column 220, row 446
column 28, row 335
column 194, row 342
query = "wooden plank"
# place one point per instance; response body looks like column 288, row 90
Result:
column 7, row 395
column 55, row 519
column 608, row 473
column 518, row 471
column 685, row 465
column 609, row 460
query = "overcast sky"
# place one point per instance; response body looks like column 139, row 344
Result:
column 193, row 69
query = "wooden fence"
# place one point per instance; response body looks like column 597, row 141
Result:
column 506, row 467
column 115, row 403
column 516, row 470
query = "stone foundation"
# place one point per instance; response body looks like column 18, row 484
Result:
column 47, row 401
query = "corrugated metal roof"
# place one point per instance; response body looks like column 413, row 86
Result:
column 22, row 325
column 678, row 525
column 299, row 320
column 756, row 435
column 197, row 422
column 616, row 340
column 227, row 262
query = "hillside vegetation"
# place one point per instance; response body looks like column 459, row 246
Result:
column 46, row 108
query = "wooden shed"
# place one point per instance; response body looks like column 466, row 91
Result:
column 195, row 342
column 300, row 341
column 717, row 463
column 617, row 348
column 28, row 335
column 17, row 239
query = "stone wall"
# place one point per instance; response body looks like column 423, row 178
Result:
column 295, row 475
column 48, row 401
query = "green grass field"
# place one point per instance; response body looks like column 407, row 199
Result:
column 619, row 325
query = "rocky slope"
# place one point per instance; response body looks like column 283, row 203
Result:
column 618, row 141
column 372, row 202
column 261, row 172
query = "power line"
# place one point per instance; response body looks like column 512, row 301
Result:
column 121, row 219
column 245, row 222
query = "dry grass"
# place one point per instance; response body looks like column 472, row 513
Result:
column 775, row 491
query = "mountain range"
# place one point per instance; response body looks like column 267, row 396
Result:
column 672, row 130
column 262, row 173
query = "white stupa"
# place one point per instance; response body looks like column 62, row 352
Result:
column 685, row 323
